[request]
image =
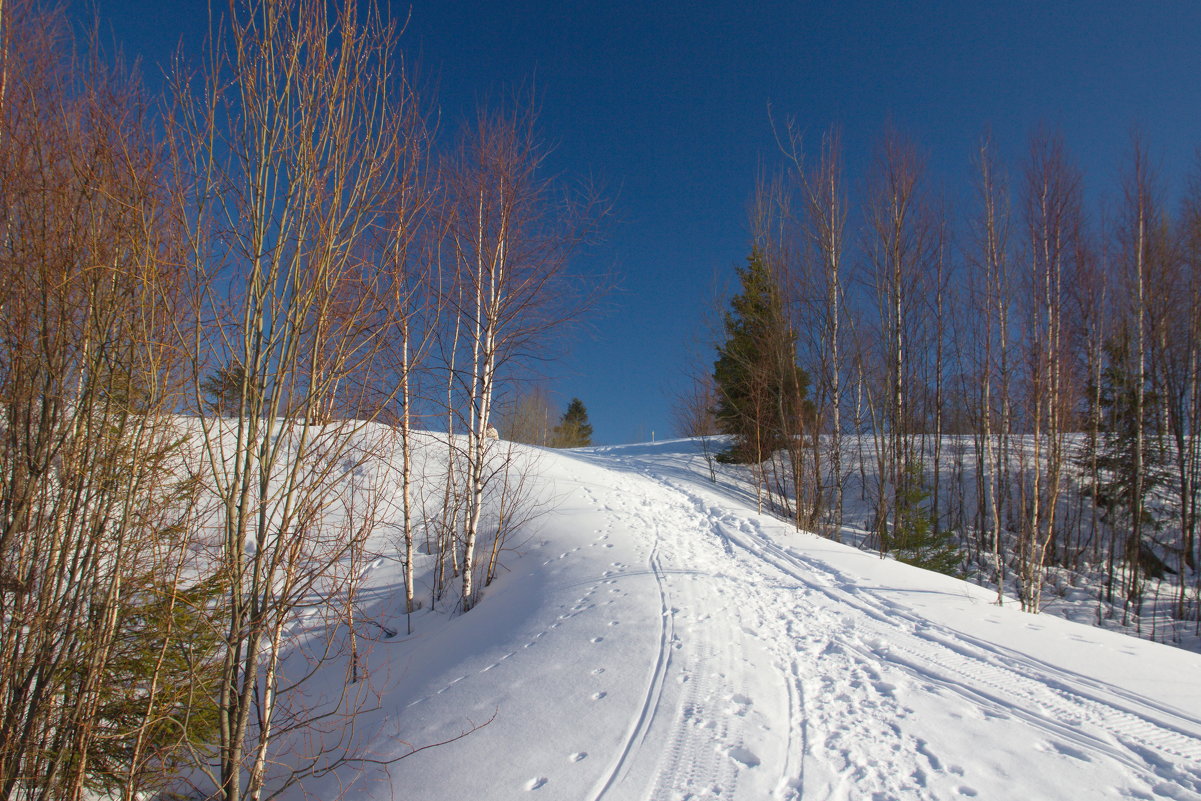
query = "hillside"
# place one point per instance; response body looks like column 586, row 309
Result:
column 655, row 638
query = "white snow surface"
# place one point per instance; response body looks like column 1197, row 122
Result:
column 654, row 637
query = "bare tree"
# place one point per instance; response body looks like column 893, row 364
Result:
column 93, row 513
column 1144, row 263
column 511, row 236
column 773, row 309
column 826, row 207
column 1183, row 389
column 1053, row 223
column 992, row 232
column 902, row 251
column 528, row 418
column 693, row 414
column 293, row 160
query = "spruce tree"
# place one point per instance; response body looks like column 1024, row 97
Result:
column 1119, row 426
column 222, row 388
column 761, row 390
column 573, row 430
column 1118, row 489
column 914, row 539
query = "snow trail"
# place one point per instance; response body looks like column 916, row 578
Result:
column 847, row 660
column 660, row 641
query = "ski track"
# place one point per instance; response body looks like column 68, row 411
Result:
column 845, row 737
column 749, row 620
column 654, row 690
column 705, row 728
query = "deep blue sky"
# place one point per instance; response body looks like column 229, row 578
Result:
column 667, row 102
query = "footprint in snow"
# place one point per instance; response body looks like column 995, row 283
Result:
column 537, row 783
column 598, row 696
column 744, row 756
column 598, row 639
column 578, row 756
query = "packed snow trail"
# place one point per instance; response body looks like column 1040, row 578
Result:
column 660, row 640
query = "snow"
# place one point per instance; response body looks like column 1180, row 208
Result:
column 656, row 638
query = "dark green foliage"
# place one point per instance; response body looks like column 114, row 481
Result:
column 573, row 430
column 1117, row 448
column 222, row 389
column 761, row 391
column 913, row 539
column 163, row 675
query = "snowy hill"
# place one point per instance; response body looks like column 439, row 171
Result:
column 655, row 638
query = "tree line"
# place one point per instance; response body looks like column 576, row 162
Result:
column 528, row 420
column 227, row 314
column 1012, row 390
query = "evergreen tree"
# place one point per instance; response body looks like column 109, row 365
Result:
column 1116, row 447
column 914, row 539
column 1118, row 490
column 573, row 430
column 222, row 389
column 760, row 389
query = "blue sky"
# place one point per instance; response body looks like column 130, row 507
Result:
column 667, row 103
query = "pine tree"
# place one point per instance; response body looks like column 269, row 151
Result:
column 761, row 390
column 573, row 430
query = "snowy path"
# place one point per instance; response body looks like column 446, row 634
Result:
column 668, row 643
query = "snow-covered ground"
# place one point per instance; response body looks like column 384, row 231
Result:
column 655, row 638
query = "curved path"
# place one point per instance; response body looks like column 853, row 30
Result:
column 658, row 640
column 781, row 673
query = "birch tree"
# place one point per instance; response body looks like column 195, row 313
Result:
column 511, row 232
column 826, row 207
column 992, row 243
column 288, row 158
column 901, row 247
column 1053, row 220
